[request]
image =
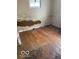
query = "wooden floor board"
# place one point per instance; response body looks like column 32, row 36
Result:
column 43, row 43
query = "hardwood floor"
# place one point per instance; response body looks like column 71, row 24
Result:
column 42, row 43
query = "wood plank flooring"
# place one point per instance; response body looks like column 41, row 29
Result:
column 42, row 43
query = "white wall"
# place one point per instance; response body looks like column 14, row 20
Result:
column 56, row 13
column 49, row 13
column 43, row 14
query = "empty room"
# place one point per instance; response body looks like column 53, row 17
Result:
column 38, row 29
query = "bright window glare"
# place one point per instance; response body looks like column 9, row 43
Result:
column 34, row 3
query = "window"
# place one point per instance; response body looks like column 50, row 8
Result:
column 34, row 3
